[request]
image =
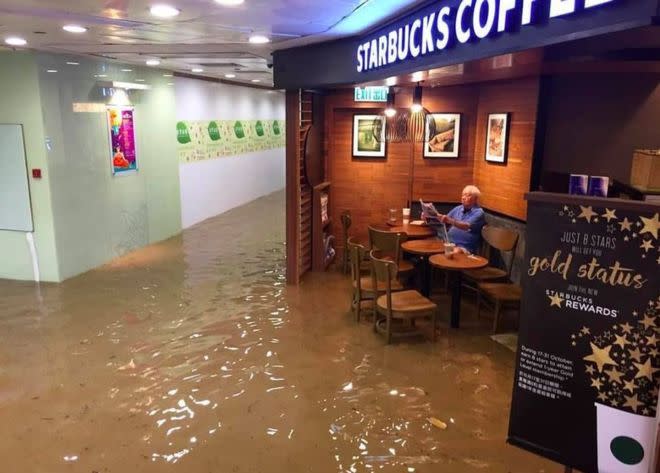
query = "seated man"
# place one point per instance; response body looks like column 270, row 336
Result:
column 466, row 221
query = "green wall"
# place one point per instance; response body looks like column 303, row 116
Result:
column 20, row 103
column 99, row 216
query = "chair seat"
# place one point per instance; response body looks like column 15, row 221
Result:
column 501, row 291
column 406, row 303
column 367, row 285
column 485, row 274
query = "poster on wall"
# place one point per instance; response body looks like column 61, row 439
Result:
column 497, row 138
column 442, row 135
column 121, row 127
column 585, row 390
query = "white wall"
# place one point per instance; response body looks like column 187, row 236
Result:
column 211, row 187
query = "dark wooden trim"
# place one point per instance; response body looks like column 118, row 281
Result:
column 292, row 187
column 553, row 198
column 542, row 105
column 223, row 81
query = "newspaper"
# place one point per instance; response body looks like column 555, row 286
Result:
column 433, row 218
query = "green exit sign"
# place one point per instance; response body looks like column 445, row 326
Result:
column 371, row 94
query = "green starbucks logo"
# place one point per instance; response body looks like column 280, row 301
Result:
column 276, row 127
column 627, row 450
column 214, row 131
column 238, row 130
column 259, row 128
column 182, row 133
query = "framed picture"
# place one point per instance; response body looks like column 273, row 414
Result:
column 497, row 138
column 121, row 133
column 369, row 136
column 442, row 135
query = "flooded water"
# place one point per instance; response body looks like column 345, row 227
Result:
column 193, row 355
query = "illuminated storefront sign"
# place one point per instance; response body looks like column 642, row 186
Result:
column 371, row 94
column 469, row 20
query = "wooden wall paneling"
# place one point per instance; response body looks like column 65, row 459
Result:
column 292, row 104
column 503, row 186
column 305, row 208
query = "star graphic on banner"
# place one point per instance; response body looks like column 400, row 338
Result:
column 555, row 300
column 611, row 228
column 634, row 235
column 590, row 369
column 658, row 260
column 636, row 354
column 574, row 221
column 573, row 336
column 609, row 215
column 625, row 224
column 595, row 383
column 585, row 331
column 602, row 397
column 633, row 402
column 652, row 340
column 626, row 238
column 565, row 207
column 647, row 245
column 621, row 341
column 600, row 356
column 587, row 213
column 639, row 224
column 648, row 322
column 655, row 391
column 654, row 352
column 615, row 375
column 645, row 370
column 635, row 313
column 651, row 225
column 626, row 328
column 571, row 214
column 629, row 386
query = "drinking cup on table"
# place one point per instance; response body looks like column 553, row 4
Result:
column 449, row 250
column 406, row 216
column 392, row 215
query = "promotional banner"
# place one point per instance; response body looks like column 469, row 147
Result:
column 586, row 384
column 121, row 127
column 201, row 140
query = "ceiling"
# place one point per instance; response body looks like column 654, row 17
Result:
column 204, row 35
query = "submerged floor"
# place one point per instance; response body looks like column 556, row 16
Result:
column 192, row 355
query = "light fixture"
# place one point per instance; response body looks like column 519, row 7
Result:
column 168, row 75
column 416, row 106
column 71, row 63
column 127, row 70
column 256, row 80
column 15, row 41
column 390, row 111
column 130, row 85
column 259, row 39
column 230, row 76
column 229, row 3
column 197, row 69
column 153, row 62
column 390, row 81
column 164, row 11
column 74, row 29
column 139, row 80
column 100, row 75
column 51, row 70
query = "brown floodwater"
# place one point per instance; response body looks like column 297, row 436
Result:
column 192, row 355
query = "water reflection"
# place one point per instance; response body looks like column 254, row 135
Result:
column 194, row 355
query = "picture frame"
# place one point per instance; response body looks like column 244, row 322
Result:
column 369, row 136
column 442, row 135
column 497, row 138
column 122, row 140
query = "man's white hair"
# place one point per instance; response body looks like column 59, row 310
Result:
column 472, row 190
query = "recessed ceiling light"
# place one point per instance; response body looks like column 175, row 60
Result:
column 15, row 41
column 51, row 70
column 229, row 3
column 230, row 76
column 259, row 39
column 168, row 75
column 198, row 69
column 74, row 28
column 101, row 75
column 71, row 63
column 256, row 80
column 164, row 11
column 170, row 83
column 153, row 62
column 127, row 70
column 139, row 80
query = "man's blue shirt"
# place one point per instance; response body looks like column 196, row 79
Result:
column 468, row 239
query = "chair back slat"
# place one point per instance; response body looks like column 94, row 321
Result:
column 388, row 243
column 356, row 254
column 383, row 269
column 500, row 238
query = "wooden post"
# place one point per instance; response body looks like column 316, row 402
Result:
column 292, row 186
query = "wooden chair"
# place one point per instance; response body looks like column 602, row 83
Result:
column 502, row 240
column 406, row 306
column 363, row 286
column 345, row 225
column 500, row 295
column 389, row 244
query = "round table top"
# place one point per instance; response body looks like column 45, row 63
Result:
column 428, row 246
column 458, row 261
column 414, row 231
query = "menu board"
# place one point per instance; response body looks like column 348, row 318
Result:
column 202, row 140
column 585, row 391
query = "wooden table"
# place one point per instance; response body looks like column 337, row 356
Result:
column 424, row 248
column 455, row 265
column 413, row 231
